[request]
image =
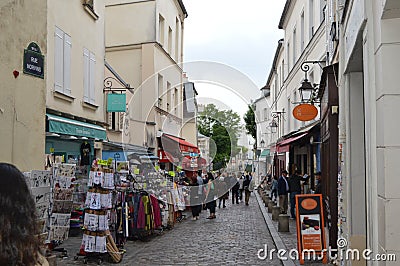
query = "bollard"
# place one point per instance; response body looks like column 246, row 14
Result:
column 266, row 201
column 276, row 210
column 270, row 205
column 283, row 223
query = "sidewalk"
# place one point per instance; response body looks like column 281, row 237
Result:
column 283, row 240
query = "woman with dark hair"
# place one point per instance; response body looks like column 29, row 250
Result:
column 19, row 243
column 210, row 196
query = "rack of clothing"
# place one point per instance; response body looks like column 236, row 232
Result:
column 139, row 214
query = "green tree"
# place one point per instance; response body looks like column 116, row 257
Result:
column 223, row 127
column 250, row 120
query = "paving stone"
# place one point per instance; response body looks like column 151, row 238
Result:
column 233, row 238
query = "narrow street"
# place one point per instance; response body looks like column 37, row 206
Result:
column 234, row 238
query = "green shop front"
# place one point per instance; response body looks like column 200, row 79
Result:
column 71, row 141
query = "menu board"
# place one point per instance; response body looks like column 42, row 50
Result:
column 310, row 225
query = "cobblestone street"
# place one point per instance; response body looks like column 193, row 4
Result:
column 234, row 238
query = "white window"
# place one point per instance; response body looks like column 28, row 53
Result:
column 322, row 6
column 311, row 18
column 288, row 57
column 160, row 91
column 89, row 64
column 161, row 29
column 294, row 47
column 177, row 27
column 176, row 101
column 169, row 104
column 302, row 34
column 62, row 62
column 169, row 41
column 266, row 114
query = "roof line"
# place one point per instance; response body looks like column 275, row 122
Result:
column 284, row 13
column 183, row 8
column 273, row 68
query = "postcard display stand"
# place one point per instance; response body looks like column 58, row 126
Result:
column 99, row 201
column 63, row 179
column 39, row 183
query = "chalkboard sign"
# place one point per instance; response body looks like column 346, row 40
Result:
column 310, row 225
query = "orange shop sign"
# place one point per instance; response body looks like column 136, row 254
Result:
column 305, row 112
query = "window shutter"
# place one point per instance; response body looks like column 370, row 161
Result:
column 110, row 120
column 67, row 64
column 92, row 70
column 58, row 60
column 86, row 75
column 121, row 121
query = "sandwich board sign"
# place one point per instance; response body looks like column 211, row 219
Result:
column 310, row 227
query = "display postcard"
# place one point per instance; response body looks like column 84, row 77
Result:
column 41, row 194
column 63, row 194
column 62, row 206
column 101, row 244
column 91, row 222
column 95, row 201
column 67, row 170
column 90, row 243
column 59, row 233
column 122, row 166
column 40, row 178
column 42, row 210
column 60, row 219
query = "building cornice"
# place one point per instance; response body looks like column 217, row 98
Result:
column 284, row 14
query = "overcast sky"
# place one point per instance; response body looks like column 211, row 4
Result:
column 240, row 39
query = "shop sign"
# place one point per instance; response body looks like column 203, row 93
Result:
column 310, row 225
column 33, row 61
column 116, row 102
column 305, row 112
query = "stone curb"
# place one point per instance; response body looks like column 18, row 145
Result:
column 275, row 236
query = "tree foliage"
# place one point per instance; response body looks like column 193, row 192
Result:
column 250, row 120
column 223, row 127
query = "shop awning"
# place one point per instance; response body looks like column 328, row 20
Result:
column 166, row 157
column 62, row 125
column 184, row 146
column 283, row 146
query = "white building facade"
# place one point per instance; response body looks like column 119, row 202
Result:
column 366, row 47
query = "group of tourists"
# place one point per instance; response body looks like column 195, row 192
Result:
column 207, row 189
column 286, row 188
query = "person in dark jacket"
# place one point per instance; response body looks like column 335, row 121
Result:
column 295, row 188
column 318, row 189
column 235, row 190
column 283, row 190
column 246, row 187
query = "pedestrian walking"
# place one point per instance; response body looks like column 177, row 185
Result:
column 295, row 189
column 247, row 188
column 241, row 179
column 283, row 190
column 195, row 199
column 235, row 190
column 274, row 189
column 223, row 191
column 19, row 243
column 211, row 196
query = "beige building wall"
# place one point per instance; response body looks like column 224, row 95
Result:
column 146, row 57
column 22, row 99
column 85, row 31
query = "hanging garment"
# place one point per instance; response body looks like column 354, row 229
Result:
column 156, row 212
